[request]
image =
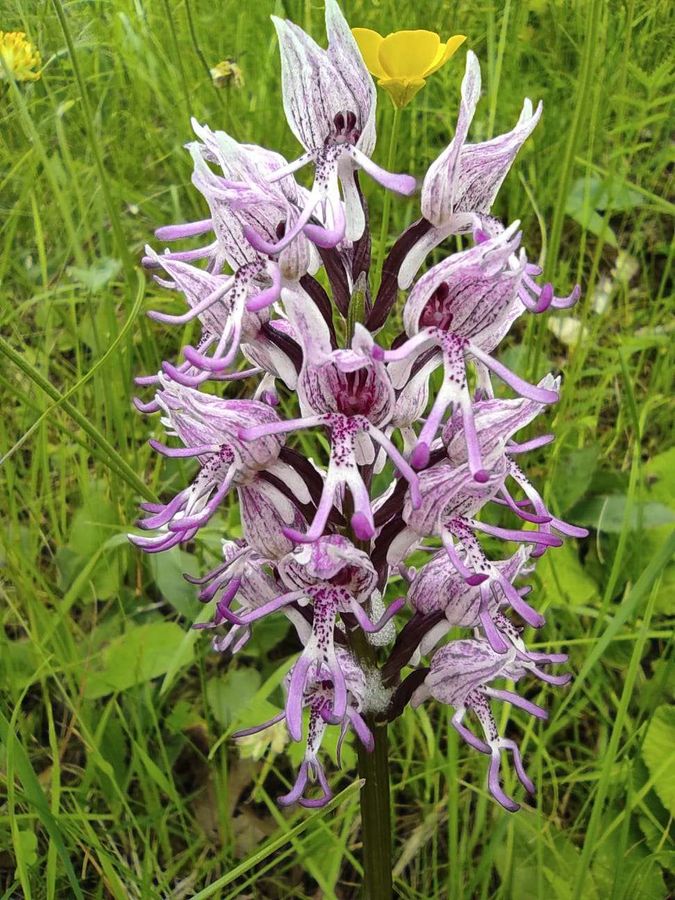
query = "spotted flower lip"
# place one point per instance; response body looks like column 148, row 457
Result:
column 438, row 586
column 349, row 393
column 319, row 698
column 334, row 586
column 464, row 306
column 345, row 432
column 403, row 60
column 221, row 305
column 460, row 676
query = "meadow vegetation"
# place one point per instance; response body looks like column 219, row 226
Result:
column 117, row 775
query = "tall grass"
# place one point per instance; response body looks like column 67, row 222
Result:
column 116, row 774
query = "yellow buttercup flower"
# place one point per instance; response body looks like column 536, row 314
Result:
column 402, row 61
column 18, row 57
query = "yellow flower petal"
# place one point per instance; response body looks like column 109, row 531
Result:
column 18, row 56
column 402, row 90
column 445, row 51
column 369, row 42
column 408, row 54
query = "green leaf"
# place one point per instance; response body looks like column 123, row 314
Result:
column 588, row 195
column 656, row 839
column 633, row 868
column 266, row 634
column 93, row 524
column 660, row 477
column 603, row 194
column 27, row 847
column 143, row 653
column 167, row 572
column 97, row 275
column 229, row 695
column 564, row 579
column 624, row 612
column 182, row 715
column 592, row 221
column 104, row 448
column 575, row 473
column 658, row 751
column 607, row 514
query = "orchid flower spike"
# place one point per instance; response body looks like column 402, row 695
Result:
column 336, row 453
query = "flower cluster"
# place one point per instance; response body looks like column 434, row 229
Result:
column 282, row 280
column 18, row 57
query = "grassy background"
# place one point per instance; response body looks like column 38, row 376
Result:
column 116, row 777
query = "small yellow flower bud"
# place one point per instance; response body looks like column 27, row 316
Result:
column 226, row 74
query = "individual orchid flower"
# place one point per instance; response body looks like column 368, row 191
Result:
column 319, row 698
column 337, row 579
column 219, row 302
column 349, row 393
column 461, row 185
column 460, row 676
column 437, row 586
column 450, row 499
column 259, row 197
column 270, row 504
column 228, row 306
column 496, row 422
column 464, row 306
column 248, row 578
column 402, row 61
column 208, row 428
column 329, row 101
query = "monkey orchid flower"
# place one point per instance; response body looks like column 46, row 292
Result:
column 319, row 697
column 208, row 427
column 329, row 101
column 462, row 183
column 464, row 307
column 460, row 676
